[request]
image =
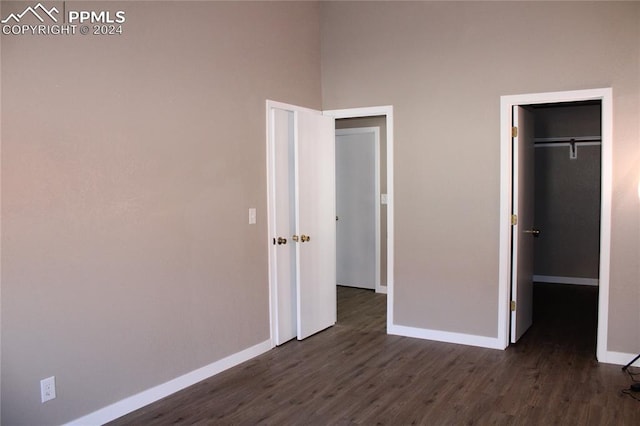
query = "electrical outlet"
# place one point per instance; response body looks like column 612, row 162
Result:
column 48, row 389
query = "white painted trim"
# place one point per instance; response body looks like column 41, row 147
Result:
column 606, row 155
column 447, row 337
column 619, row 358
column 270, row 158
column 605, row 95
column 376, row 161
column 386, row 111
column 144, row 398
column 382, row 289
column 565, row 280
column 290, row 107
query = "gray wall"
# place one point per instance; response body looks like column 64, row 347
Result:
column 567, row 194
column 443, row 66
column 128, row 167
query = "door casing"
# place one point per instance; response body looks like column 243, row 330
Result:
column 605, row 95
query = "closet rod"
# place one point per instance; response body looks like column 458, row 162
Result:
column 568, row 139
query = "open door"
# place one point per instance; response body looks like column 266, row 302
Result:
column 522, row 221
column 315, row 223
column 283, row 250
column 302, row 229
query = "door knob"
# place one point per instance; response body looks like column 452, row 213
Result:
column 533, row 231
column 295, row 238
column 282, row 240
column 305, row 238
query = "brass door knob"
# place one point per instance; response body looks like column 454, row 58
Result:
column 282, row 240
column 302, row 238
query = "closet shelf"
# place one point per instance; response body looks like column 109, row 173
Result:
column 571, row 142
column 568, row 139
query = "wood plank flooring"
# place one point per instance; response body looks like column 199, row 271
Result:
column 353, row 373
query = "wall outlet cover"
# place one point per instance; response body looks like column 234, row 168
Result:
column 48, row 389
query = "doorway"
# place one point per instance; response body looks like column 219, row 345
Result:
column 510, row 309
column 313, row 303
column 565, row 222
column 378, row 117
column 361, row 203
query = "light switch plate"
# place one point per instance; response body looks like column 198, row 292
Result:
column 383, row 199
column 252, row 216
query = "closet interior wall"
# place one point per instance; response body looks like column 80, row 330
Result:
column 567, row 193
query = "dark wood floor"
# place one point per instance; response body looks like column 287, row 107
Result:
column 353, row 373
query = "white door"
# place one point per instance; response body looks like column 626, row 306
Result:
column 282, row 249
column 357, row 194
column 522, row 231
column 301, row 199
column 316, row 225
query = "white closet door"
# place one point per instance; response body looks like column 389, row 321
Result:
column 315, row 220
column 523, row 230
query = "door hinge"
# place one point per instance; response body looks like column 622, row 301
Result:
column 514, row 219
column 514, row 132
column 513, row 306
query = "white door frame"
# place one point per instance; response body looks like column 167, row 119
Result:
column 376, row 218
column 386, row 111
column 507, row 103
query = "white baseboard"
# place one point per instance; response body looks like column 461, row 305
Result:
column 156, row 393
column 565, row 280
column 609, row 357
column 446, row 336
column 381, row 289
column 619, row 358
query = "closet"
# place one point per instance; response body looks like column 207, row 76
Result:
column 567, row 192
column 302, row 229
